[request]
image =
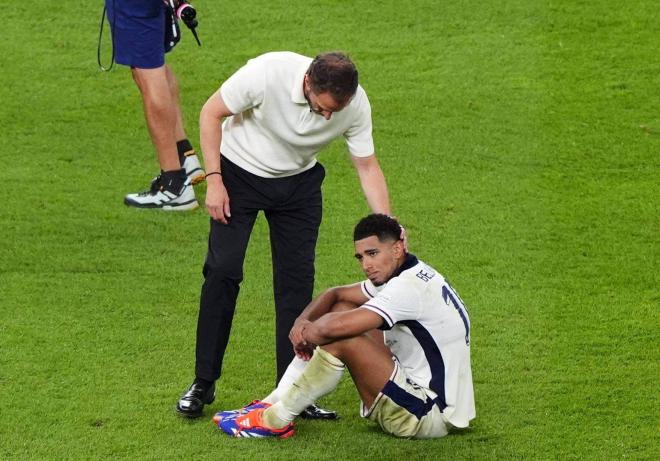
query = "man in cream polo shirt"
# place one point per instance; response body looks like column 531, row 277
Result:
column 260, row 135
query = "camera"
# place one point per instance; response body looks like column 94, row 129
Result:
column 187, row 13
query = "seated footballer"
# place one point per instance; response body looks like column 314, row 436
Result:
column 403, row 334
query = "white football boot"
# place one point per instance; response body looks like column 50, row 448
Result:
column 159, row 197
column 193, row 168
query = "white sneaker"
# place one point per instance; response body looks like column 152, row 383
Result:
column 193, row 168
column 159, row 197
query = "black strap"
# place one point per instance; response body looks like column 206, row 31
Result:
column 98, row 49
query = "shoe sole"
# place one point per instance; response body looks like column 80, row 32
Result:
column 187, row 414
column 190, row 205
column 247, row 435
column 183, row 207
column 317, row 417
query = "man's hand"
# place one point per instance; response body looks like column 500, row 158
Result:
column 404, row 238
column 301, row 347
column 217, row 199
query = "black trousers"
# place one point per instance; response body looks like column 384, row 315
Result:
column 293, row 209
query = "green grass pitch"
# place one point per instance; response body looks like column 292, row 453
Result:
column 520, row 140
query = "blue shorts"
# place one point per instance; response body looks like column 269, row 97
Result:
column 141, row 32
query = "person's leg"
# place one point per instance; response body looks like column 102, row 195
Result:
column 187, row 157
column 297, row 365
column 138, row 40
column 368, row 360
column 293, row 237
column 294, row 227
column 171, row 190
column 223, row 273
column 160, row 111
column 179, row 131
column 293, row 372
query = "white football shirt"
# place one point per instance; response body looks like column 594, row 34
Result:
column 273, row 133
column 428, row 329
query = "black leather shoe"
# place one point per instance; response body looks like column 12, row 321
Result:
column 314, row 412
column 192, row 402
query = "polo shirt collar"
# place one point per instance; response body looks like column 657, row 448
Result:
column 297, row 94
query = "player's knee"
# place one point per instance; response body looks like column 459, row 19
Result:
column 153, row 86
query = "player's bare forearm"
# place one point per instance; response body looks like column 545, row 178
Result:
column 335, row 326
column 340, row 298
column 325, row 330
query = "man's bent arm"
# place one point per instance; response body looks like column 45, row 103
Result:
column 210, row 134
column 373, row 183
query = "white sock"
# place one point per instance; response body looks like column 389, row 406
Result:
column 293, row 371
column 320, row 377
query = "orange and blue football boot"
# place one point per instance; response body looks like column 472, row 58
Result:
column 219, row 416
column 250, row 425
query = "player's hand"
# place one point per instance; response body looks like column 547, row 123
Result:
column 301, row 347
column 217, row 200
column 305, row 353
column 403, row 235
column 404, row 238
column 295, row 335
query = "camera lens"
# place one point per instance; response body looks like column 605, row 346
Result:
column 188, row 13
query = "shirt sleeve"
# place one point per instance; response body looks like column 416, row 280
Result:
column 245, row 88
column 395, row 303
column 359, row 136
column 369, row 289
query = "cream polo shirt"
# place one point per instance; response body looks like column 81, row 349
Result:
column 272, row 132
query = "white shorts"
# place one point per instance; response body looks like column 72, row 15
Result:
column 405, row 409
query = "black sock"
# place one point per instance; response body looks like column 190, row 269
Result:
column 184, row 147
column 173, row 180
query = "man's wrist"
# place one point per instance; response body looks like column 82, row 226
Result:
column 213, row 178
column 219, row 173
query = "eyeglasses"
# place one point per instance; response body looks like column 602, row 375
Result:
column 313, row 107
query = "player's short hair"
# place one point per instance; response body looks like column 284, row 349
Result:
column 382, row 226
column 335, row 73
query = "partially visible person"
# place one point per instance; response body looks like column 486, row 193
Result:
column 414, row 380
column 260, row 134
column 142, row 32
